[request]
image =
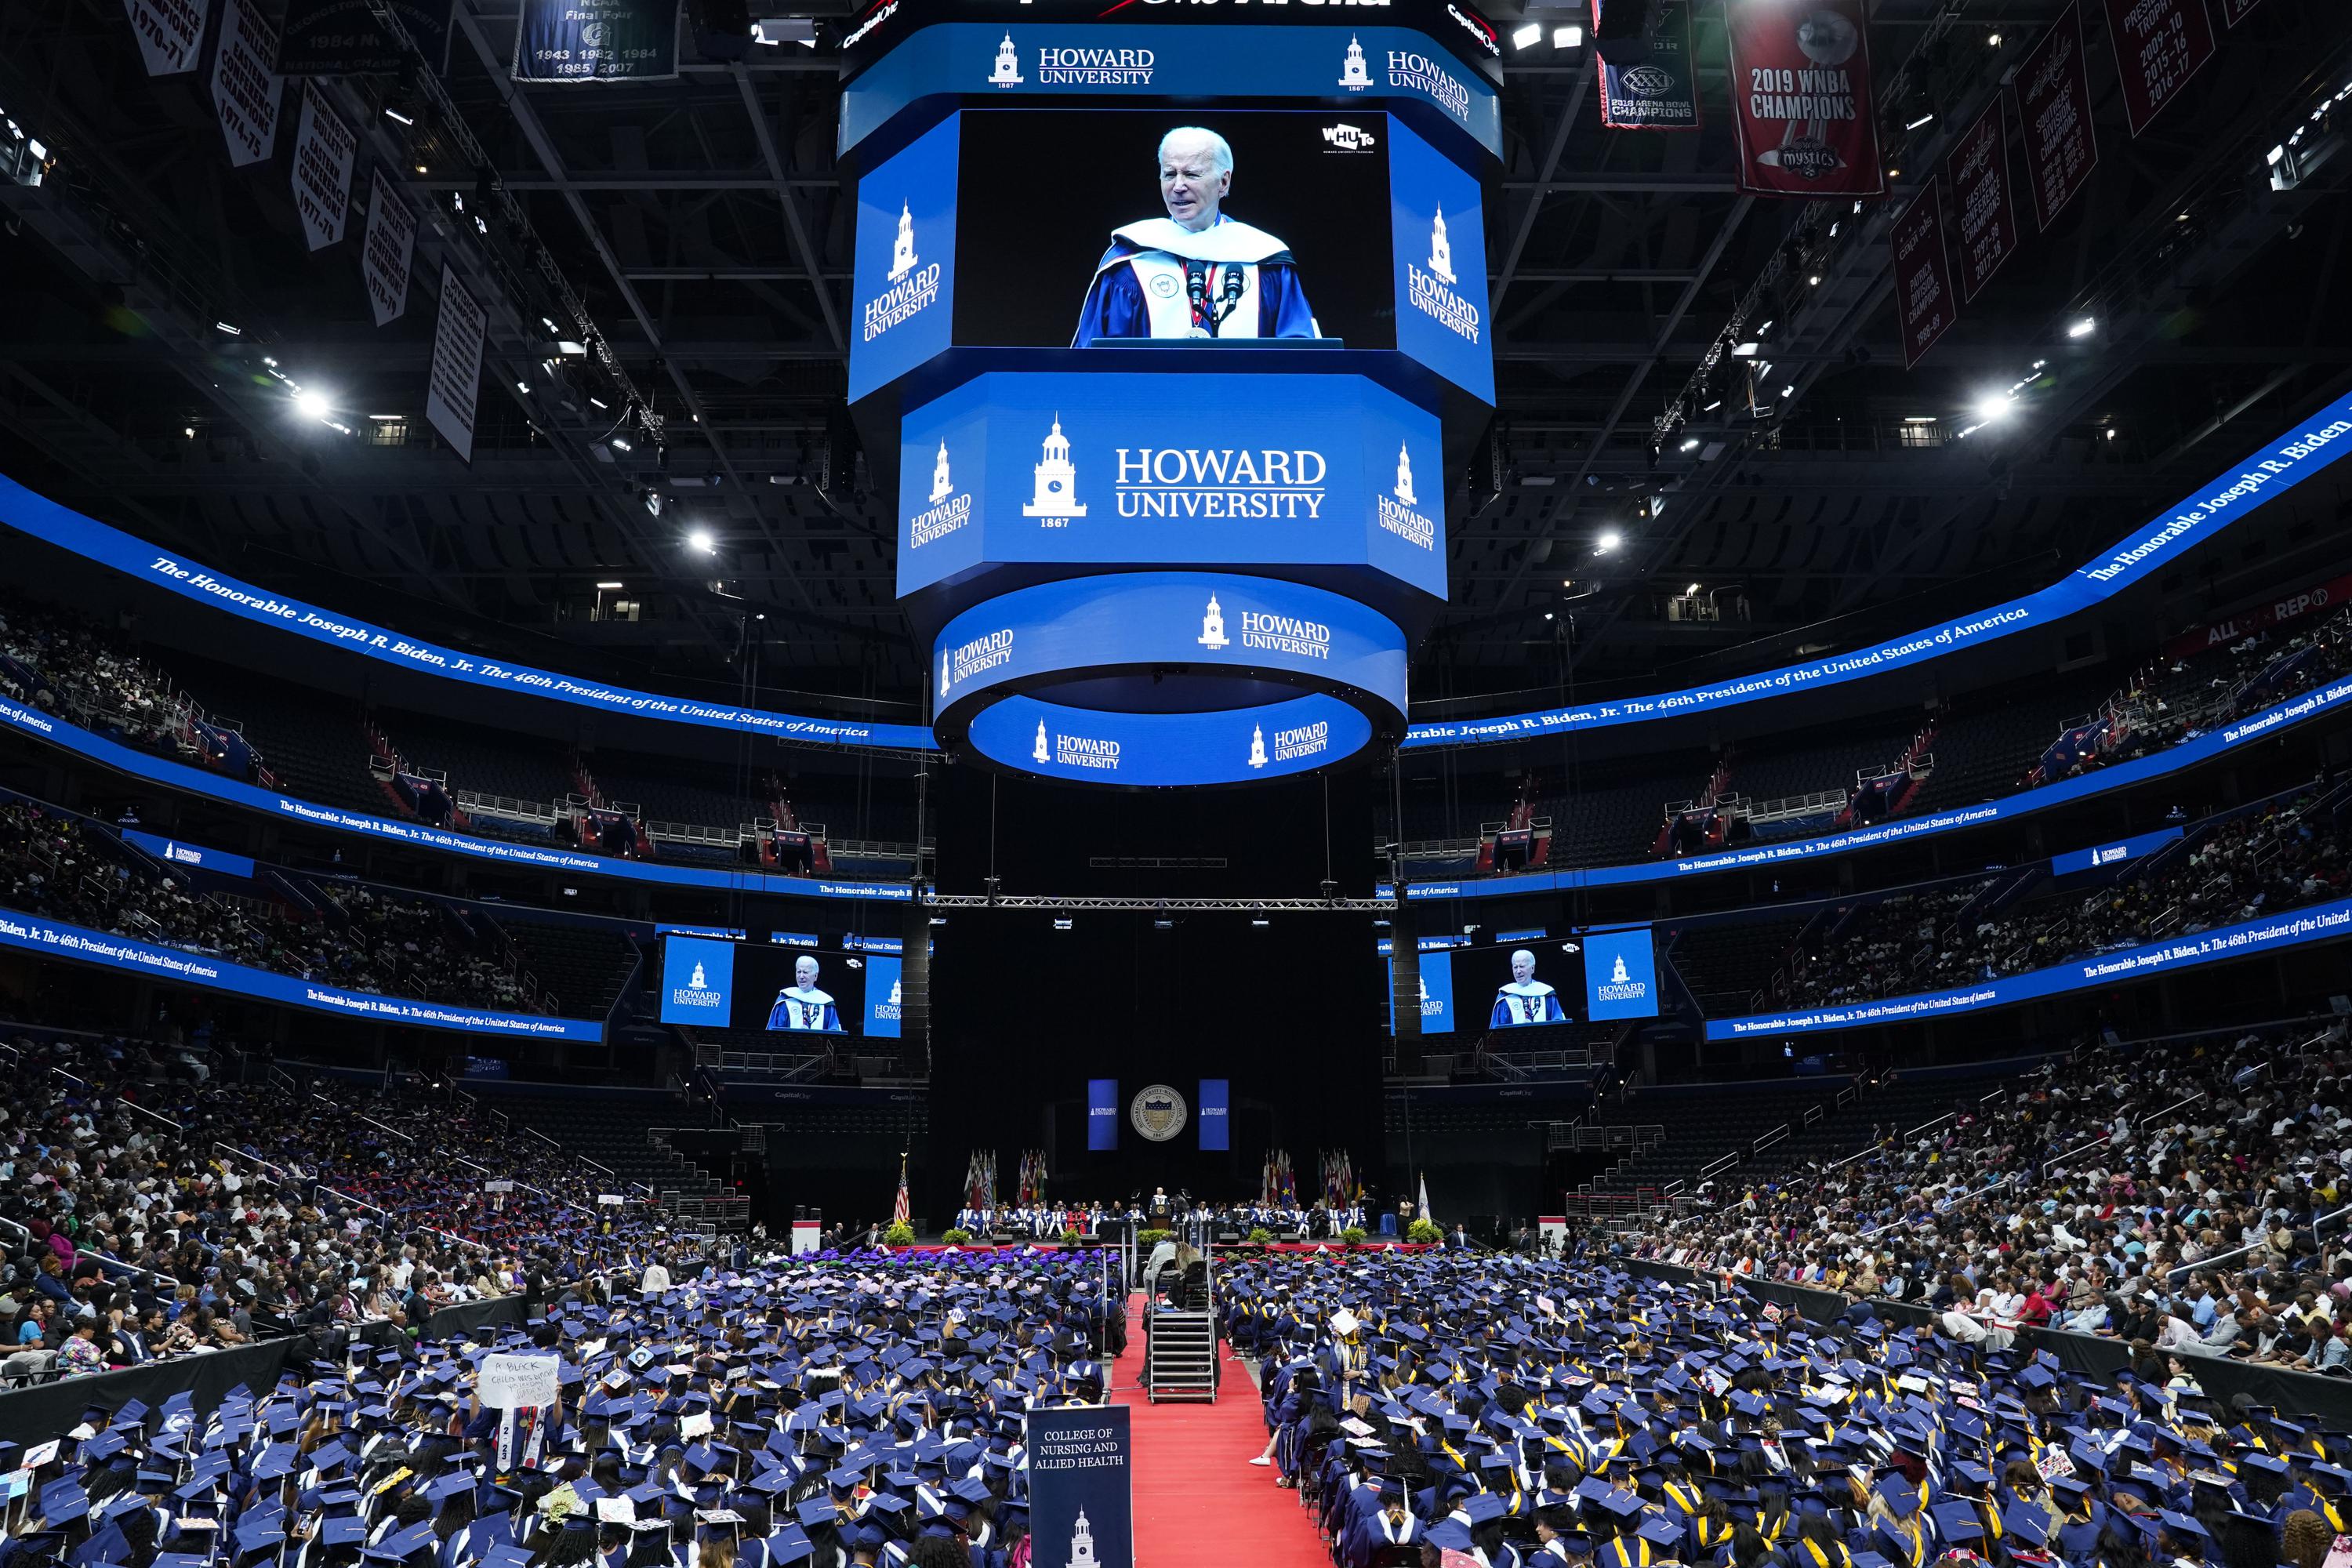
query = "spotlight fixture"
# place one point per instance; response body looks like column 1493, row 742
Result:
column 1569, row 37
column 1532, row 33
column 312, row 406
column 702, row 541
column 2084, row 328
column 1609, row 541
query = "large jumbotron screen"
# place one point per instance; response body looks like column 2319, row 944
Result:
column 784, row 990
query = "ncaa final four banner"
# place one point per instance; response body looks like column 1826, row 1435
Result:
column 597, row 40
column 1660, row 92
column 1801, row 99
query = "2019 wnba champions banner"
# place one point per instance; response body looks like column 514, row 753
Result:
column 1801, row 99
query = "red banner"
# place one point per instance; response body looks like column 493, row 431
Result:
column 1923, row 282
column 1982, row 206
column 2054, row 106
column 1801, row 99
column 2262, row 617
column 2236, row 10
column 2159, row 44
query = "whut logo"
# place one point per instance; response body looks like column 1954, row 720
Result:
column 1220, row 482
column 1399, row 509
column 1431, row 288
column 960, row 666
column 950, row 508
column 1416, row 72
column 1285, row 634
column 1095, row 67
column 912, row 287
column 1346, row 137
column 1055, row 502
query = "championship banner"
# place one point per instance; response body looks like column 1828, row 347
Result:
column 2236, row 10
column 1661, row 93
column 1801, row 99
column 1923, row 280
column 324, row 148
column 246, row 86
column 386, row 248
column 1081, row 1503
column 339, row 37
column 456, row 381
column 1981, row 204
column 2159, row 44
column 597, row 40
column 169, row 33
column 2053, row 105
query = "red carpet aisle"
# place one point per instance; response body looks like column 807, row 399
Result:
column 1198, row 1499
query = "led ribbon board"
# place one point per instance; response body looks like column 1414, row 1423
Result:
column 1208, row 624
column 1171, row 468
column 1236, row 746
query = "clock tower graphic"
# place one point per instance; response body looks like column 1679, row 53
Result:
column 1082, row 1545
column 1056, row 497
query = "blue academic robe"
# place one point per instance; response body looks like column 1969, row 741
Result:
column 1115, row 307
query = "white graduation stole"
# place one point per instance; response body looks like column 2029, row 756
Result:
column 1162, row 278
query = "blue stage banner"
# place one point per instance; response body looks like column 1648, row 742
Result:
column 1038, row 61
column 902, row 273
column 2121, row 775
column 883, row 1012
column 697, row 980
column 2114, row 854
column 569, row 862
column 596, row 40
column 1168, row 748
column 718, row 933
column 1216, row 1122
column 1194, row 469
column 1102, row 1113
column 1203, row 619
column 77, row 944
column 1621, row 975
column 1081, row 1500
column 1438, row 231
column 1436, row 994
column 2308, row 449
column 2320, row 923
column 45, row 520
column 180, row 852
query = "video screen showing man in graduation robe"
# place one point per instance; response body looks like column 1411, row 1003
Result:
column 1195, row 273
column 800, row 1007
column 1524, row 999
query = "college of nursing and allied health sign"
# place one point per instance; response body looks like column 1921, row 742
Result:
column 1081, row 1499
column 76, row 944
column 2247, row 939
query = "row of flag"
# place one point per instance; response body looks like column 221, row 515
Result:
column 1033, row 1177
column 980, row 1180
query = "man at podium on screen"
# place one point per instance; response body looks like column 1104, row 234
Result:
column 1524, row 999
column 1195, row 273
column 800, row 1007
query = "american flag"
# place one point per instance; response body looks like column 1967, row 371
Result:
column 901, row 1211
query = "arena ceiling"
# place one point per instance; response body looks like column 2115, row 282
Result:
column 702, row 228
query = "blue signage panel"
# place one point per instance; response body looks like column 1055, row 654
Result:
column 180, row 852
column 1621, row 975
column 882, row 1003
column 310, row 814
column 2114, row 854
column 1081, row 1503
column 1438, row 231
column 1194, row 469
column 722, row 933
column 1034, row 62
column 1102, row 1113
column 1236, row 746
column 1216, row 1122
column 78, row 944
column 68, row 529
column 697, row 980
column 2306, row 450
column 2320, row 923
column 903, row 271
column 1436, row 994
column 1198, row 618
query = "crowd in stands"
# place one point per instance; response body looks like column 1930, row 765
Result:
column 2186, row 1199
column 161, row 1200
column 54, row 864
column 61, row 663
column 2278, row 857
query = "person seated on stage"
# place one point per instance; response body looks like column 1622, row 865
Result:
column 1195, row 273
column 800, row 1007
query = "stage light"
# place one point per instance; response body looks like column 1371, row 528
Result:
column 620, row 443
column 1788, row 391
column 2084, row 328
column 1569, row 37
column 1992, row 40
column 1692, row 589
column 703, row 540
column 225, row 327
column 1523, row 36
column 608, row 587
column 189, row 431
column 312, row 406
column 523, row 387
column 1062, row 924
column 1690, row 443
column 1813, row 281
column 1610, row 541
column 1996, row 407
column 1926, row 119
